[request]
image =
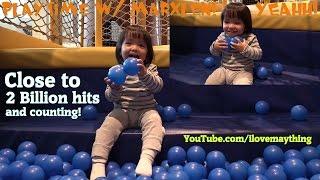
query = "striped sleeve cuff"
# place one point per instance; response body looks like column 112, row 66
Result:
column 112, row 95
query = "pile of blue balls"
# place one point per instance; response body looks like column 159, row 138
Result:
column 169, row 113
column 118, row 73
column 196, row 164
column 26, row 164
column 298, row 112
column 262, row 72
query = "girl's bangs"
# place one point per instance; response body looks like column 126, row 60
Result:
column 135, row 34
column 231, row 13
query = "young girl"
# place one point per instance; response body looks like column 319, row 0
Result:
column 237, row 60
column 134, row 105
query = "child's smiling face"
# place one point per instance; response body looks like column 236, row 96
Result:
column 233, row 26
column 134, row 47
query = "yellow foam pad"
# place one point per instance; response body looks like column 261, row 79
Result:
column 11, row 39
column 49, row 58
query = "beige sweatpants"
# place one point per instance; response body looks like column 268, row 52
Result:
column 120, row 119
column 222, row 76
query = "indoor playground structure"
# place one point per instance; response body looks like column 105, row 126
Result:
column 267, row 131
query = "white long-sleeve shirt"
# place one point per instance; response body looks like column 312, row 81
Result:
column 137, row 92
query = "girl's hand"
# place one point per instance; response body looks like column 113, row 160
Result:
column 239, row 45
column 112, row 85
column 142, row 68
column 220, row 45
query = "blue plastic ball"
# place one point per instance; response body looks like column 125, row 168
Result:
column 132, row 174
column 204, row 170
column 165, row 164
column 26, row 156
column 275, row 173
column 67, row 167
column 255, row 69
column 196, row 154
column 169, row 114
column 184, row 110
column 176, row 155
column 128, row 167
column 259, row 161
column 160, row 109
column 194, row 170
column 16, row 168
column 114, row 174
column 4, row 160
column 313, row 167
column 256, row 169
column 209, row 62
column 219, row 174
column 178, row 175
column 57, row 177
column 262, row 72
column 299, row 113
column 292, row 153
column 315, row 177
column 262, row 107
column 273, row 154
column 226, row 165
column 245, row 164
column 237, row 171
column 67, row 177
column 89, row 112
column 215, row 159
column 130, row 66
column 66, row 152
column 123, row 177
column 157, row 169
column 8, row 153
column 234, row 39
column 277, row 68
column 27, row 146
column 257, row 177
column 228, row 41
column 175, row 168
column 161, row 176
column 80, row 178
column 33, row 172
column 4, row 171
column 40, row 160
column 77, row 172
column 231, row 40
column 144, row 178
column 117, row 75
column 112, row 166
column 81, row 160
column 301, row 178
column 294, row 168
column 276, row 166
column 53, row 165
column 309, row 153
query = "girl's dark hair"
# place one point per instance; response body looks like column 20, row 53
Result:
column 238, row 10
column 135, row 31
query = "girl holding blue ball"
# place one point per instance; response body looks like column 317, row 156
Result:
column 134, row 104
column 237, row 46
